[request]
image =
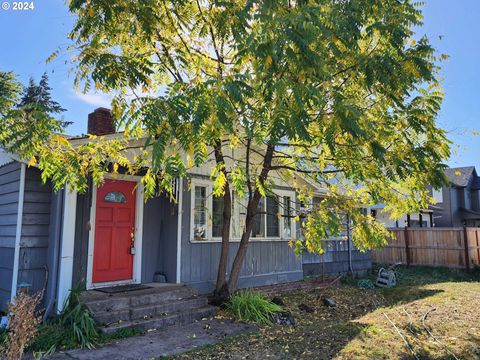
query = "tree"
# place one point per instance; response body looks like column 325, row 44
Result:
column 338, row 93
column 38, row 98
column 9, row 92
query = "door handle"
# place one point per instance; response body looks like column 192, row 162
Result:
column 132, row 242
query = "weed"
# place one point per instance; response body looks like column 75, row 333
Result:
column 23, row 323
column 252, row 306
column 74, row 327
column 120, row 334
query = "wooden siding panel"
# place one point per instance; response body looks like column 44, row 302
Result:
column 10, row 198
column 6, row 258
column 7, row 242
column 34, row 246
column 9, row 191
column 9, row 168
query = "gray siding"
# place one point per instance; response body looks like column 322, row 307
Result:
column 266, row 262
column 9, row 191
column 80, row 246
column 335, row 260
column 443, row 213
column 34, row 244
column 159, row 239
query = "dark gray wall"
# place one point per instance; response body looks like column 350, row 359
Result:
column 159, row 239
column 9, row 191
column 335, row 260
column 80, row 249
column 448, row 215
column 34, row 244
column 266, row 262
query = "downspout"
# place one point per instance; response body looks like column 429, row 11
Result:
column 349, row 242
column 179, row 230
column 18, row 232
column 56, row 255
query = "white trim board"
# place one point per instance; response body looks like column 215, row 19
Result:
column 179, row 231
column 18, row 232
column 67, row 245
column 137, row 258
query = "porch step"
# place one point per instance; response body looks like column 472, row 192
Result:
column 162, row 321
column 101, row 302
column 156, row 307
column 149, row 311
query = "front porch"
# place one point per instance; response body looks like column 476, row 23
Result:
column 154, row 306
column 153, row 257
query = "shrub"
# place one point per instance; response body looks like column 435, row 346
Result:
column 74, row 327
column 252, row 306
column 23, row 323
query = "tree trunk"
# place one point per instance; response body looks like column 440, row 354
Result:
column 242, row 249
column 251, row 212
column 221, row 294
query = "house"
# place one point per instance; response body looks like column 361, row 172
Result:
column 424, row 218
column 457, row 204
column 110, row 236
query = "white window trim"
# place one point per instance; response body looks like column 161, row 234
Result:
column 210, row 239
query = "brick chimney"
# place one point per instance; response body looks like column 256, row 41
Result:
column 100, row 122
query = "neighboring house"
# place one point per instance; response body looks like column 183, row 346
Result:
column 110, row 236
column 457, row 204
column 425, row 218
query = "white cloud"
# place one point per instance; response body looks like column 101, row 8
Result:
column 95, row 98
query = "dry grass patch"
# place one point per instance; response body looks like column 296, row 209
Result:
column 432, row 314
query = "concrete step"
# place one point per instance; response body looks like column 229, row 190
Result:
column 162, row 321
column 100, row 303
column 149, row 311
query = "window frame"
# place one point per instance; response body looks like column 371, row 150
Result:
column 280, row 193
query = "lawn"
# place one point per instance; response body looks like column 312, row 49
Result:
column 431, row 314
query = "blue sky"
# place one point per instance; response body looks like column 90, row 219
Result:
column 29, row 37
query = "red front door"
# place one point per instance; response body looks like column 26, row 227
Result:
column 114, row 229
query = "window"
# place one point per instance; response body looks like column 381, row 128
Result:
column 258, row 229
column 437, row 195
column 272, row 221
column 217, row 216
column 200, row 213
column 115, row 197
column 287, row 218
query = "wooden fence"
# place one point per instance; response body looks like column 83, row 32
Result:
column 449, row 247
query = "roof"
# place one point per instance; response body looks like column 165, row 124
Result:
column 460, row 176
column 5, row 158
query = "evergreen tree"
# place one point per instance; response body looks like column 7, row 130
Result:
column 38, row 98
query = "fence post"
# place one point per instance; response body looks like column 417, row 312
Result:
column 465, row 242
column 407, row 246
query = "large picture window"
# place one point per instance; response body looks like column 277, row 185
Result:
column 273, row 220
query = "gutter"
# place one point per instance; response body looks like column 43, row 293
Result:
column 18, row 232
